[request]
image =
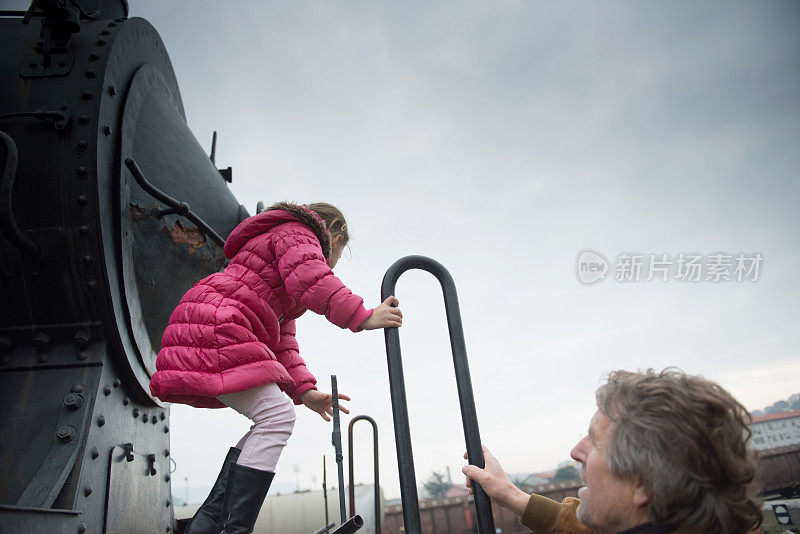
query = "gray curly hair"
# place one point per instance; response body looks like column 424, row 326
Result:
column 685, row 438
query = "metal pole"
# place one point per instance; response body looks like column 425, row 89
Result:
column 325, row 494
column 405, row 460
column 376, row 483
column 337, row 445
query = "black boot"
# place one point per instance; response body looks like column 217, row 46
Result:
column 208, row 518
column 244, row 495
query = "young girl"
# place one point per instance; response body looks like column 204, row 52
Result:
column 231, row 342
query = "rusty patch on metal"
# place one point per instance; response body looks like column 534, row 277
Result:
column 137, row 213
column 191, row 236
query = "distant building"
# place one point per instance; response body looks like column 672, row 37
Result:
column 776, row 430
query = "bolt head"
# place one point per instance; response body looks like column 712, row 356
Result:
column 95, row 453
column 101, row 421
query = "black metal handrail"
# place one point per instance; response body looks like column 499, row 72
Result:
column 8, row 224
column 180, row 208
column 405, row 458
column 376, row 482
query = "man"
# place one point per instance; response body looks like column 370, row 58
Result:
column 665, row 453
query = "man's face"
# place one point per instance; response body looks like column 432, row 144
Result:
column 608, row 502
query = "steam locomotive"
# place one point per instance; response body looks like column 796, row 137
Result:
column 109, row 211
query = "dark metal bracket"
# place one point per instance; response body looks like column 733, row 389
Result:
column 469, row 418
column 376, row 482
column 175, row 206
column 67, row 441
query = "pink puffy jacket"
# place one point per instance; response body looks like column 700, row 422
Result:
column 234, row 330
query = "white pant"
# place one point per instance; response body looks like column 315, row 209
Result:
column 272, row 413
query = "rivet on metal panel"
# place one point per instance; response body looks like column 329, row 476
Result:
column 107, row 130
column 168, row 528
column 135, row 413
column 168, row 503
column 77, row 388
column 107, row 391
column 166, row 429
column 66, row 433
column 126, row 401
column 95, row 453
column 82, row 528
column 86, row 95
column 81, row 339
column 94, row 57
column 167, row 478
column 145, row 417
column 153, row 420
column 87, row 259
column 162, row 416
column 101, row 421
column 91, row 284
column 83, row 355
column 41, row 341
column 90, row 74
column 87, row 490
column 83, row 230
column 112, row 90
column 83, row 119
column 82, row 145
column 100, row 42
column 73, row 401
column 82, row 200
column 166, row 452
column 116, row 383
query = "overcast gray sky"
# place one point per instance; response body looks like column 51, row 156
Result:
column 502, row 139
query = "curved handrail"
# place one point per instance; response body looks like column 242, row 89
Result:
column 376, row 482
column 181, row 208
column 405, row 460
column 8, row 225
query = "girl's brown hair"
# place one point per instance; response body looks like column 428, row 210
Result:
column 334, row 220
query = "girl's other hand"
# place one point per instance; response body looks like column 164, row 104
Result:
column 385, row 315
column 322, row 403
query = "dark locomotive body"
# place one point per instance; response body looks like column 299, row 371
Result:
column 92, row 265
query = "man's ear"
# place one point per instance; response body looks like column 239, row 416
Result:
column 641, row 495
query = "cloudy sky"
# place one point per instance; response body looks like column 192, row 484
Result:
column 502, row 139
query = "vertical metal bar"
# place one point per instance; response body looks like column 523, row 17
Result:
column 405, row 460
column 376, row 481
column 337, row 445
column 328, row 524
column 212, row 157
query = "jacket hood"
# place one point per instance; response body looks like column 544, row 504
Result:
column 276, row 214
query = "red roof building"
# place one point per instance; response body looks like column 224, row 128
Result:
column 776, row 430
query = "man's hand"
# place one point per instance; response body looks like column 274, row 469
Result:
column 385, row 315
column 322, row 403
column 496, row 484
